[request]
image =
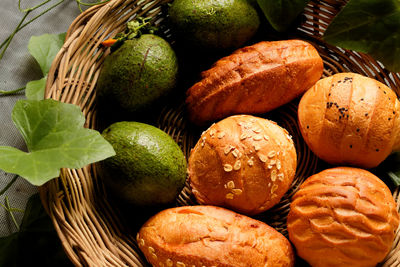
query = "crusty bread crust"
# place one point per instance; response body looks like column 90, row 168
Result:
column 254, row 79
column 212, row 236
column 243, row 163
column 350, row 119
column 343, row 217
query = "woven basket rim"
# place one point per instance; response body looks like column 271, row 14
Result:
column 84, row 220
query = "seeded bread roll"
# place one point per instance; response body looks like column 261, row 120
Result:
column 211, row 236
column 343, row 217
column 254, row 79
column 349, row 119
column 243, row 163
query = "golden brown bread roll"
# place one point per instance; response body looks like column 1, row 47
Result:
column 243, row 163
column 254, row 79
column 343, row 217
column 350, row 119
column 211, row 236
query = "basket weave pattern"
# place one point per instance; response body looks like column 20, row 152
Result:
column 90, row 231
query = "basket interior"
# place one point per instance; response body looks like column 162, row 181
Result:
column 93, row 232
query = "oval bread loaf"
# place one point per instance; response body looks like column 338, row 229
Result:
column 211, row 236
column 254, row 79
column 343, row 217
column 350, row 119
column 243, row 163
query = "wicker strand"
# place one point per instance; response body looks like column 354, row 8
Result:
column 91, row 231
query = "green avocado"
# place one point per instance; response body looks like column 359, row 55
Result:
column 148, row 169
column 138, row 73
column 213, row 24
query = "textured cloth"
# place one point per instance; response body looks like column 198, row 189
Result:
column 16, row 69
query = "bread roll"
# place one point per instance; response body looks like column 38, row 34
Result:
column 211, row 236
column 243, row 163
column 350, row 119
column 254, row 79
column 343, row 217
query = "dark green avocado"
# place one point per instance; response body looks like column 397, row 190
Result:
column 213, row 24
column 149, row 168
column 138, row 73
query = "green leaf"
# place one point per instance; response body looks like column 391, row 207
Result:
column 282, row 13
column 44, row 48
column 369, row 26
column 390, row 169
column 395, row 176
column 8, row 250
column 35, row 89
column 36, row 244
column 55, row 137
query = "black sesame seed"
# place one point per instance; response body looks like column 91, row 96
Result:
column 351, row 146
column 308, row 126
column 377, row 150
column 389, row 119
column 347, row 115
column 362, row 99
column 384, row 92
column 329, row 94
column 366, row 114
column 358, row 129
column 339, row 81
column 394, row 112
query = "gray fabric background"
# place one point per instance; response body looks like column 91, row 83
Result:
column 16, row 69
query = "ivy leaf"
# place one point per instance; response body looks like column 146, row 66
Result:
column 390, row 168
column 36, row 244
column 369, row 26
column 282, row 13
column 8, row 250
column 44, row 48
column 55, row 138
column 35, row 89
column 395, row 176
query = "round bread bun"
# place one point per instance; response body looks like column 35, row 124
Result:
column 243, row 163
column 343, row 217
column 349, row 119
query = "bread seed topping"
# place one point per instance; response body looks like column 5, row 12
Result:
column 262, row 158
column 237, row 165
column 228, row 167
column 229, row 196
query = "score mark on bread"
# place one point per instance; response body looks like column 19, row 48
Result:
column 343, row 217
column 211, row 236
column 254, row 79
column 349, row 119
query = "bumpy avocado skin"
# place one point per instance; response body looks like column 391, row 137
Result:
column 149, row 168
column 214, row 24
column 138, row 73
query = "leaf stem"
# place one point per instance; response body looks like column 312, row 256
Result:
column 7, row 43
column 92, row 4
column 10, row 210
column 9, row 184
column 3, row 92
column 31, row 8
column 41, row 14
column 20, row 26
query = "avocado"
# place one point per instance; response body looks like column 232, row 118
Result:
column 213, row 24
column 138, row 73
column 148, row 169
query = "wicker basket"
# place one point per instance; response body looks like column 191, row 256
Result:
column 91, row 233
